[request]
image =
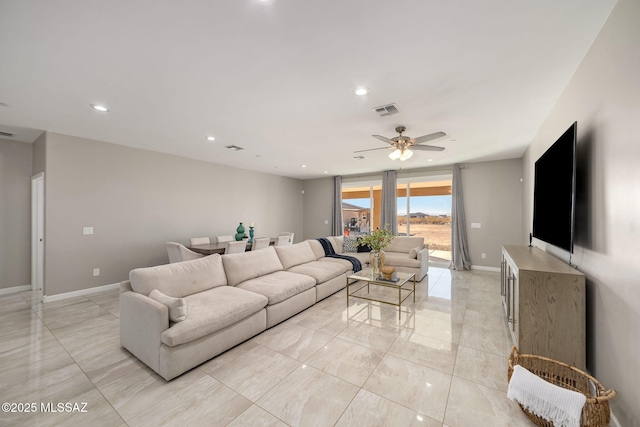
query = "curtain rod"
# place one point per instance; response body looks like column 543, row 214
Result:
column 399, row 171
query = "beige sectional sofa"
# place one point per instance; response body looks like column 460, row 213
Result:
column 407, row 254
column 231, row 298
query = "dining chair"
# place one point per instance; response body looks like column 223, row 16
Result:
column 282, row 240
column 178, row 253
column 287, row 233
column 260, row 243
column 236, row 247
column 222, row 239
column 200, row 241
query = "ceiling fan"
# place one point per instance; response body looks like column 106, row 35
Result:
column 403, row 146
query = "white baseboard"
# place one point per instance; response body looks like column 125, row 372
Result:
column 81, row 292
column 485, row 268
column 14, row 289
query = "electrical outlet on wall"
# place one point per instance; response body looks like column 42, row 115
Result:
column 96, row 271
column 484, row 255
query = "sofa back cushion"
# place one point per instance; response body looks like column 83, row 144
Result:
column 292, row 255
column 180, row 279
column 405, row 244
column 337, row 242
column 249, row 265
column 317, row 248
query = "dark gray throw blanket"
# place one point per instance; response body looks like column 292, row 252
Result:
column 329, row 252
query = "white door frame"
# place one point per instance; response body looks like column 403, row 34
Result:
column 37, row 231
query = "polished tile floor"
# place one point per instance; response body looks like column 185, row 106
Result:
column 442, row 364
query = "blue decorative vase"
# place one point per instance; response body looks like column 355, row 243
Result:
column 239, row 232
column 250, row 234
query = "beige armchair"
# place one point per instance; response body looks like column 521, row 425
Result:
column 200, row 241
column 236, row 247
column 260, row 243
column 283, row 240
column 287, row 233
column 178, row 253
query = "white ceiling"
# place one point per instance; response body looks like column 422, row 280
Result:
column 277, row 77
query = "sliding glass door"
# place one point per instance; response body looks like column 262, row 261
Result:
column 424, row 210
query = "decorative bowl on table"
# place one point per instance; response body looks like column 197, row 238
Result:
column 387, row 271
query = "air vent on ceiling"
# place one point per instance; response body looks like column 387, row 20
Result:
column 233, row 147
column 7, row 134
column 359, row 157
column 386, row 110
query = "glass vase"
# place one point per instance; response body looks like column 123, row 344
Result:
column 376, row 261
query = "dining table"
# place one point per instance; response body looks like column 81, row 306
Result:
column 219, row 247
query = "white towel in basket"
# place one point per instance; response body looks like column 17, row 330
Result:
column 561, row 406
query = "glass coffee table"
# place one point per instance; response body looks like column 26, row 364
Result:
column 398, row 281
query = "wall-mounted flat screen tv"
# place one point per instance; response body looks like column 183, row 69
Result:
column 554, row 194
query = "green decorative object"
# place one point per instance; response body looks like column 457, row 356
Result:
column 240, row 232
column 377, row 239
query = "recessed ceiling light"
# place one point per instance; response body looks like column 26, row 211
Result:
column 100, row 108
column 211, row 138
column 361, row 91
column 303, row 166
column 429, row 160
column 325, row 172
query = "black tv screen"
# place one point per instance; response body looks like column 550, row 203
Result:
column 554, row 192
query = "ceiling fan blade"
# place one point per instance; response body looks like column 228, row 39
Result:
column 426, row 148
column 374, row 149
column 383, row 139
column 427, row 138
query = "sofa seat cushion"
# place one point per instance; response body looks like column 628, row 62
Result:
column 251, row 264
column 292, row 255
column 321, row 271
column 279, row 286
column 180, row 278
column 212, row 310
column 400, row 259
column 404, row 244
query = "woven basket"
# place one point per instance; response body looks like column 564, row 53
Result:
column 596, row 411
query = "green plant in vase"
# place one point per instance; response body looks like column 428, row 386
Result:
column 377, row 240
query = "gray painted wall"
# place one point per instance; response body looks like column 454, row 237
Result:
column 318, row 202
column 492, row 194
column 39, row 154
column 137, row 200
column 604, row 98
column 15, row 213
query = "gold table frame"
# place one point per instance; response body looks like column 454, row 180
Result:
column 367, row 276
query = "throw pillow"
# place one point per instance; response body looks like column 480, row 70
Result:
column 413, row 253
column 177, row 306
column 364, row 248
column 350, row 244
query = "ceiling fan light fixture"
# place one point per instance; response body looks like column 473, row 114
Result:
column 406, row 155
column 395, row 154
